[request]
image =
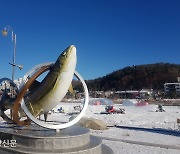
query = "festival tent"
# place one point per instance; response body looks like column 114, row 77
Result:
column 130, row 102
column 133, row 102
column 100, row 101
column 142, row 103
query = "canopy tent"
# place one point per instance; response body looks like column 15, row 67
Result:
column 131, row 102
column 100, row 101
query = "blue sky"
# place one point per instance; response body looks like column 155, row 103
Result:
column 109, row 34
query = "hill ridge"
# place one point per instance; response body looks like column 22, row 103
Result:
column 137, row 77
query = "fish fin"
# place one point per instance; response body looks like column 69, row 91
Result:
column 71, row 89
column 32, row 108
column 45, row 116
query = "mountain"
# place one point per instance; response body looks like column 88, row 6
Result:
column 151, row 76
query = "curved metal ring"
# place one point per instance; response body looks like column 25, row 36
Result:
column 34, row 70
column 3, row 115
column 60, row 126
column 21, row 95
column 39, row 70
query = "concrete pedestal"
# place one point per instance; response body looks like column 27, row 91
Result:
column 34, row 139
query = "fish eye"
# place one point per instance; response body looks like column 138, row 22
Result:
column 64, row 53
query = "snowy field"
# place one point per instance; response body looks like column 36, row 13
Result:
column 149, row 131
column 140, row 130
column 142, row 137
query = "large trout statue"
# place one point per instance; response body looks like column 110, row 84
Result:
column 55, row 85
column 41, row 97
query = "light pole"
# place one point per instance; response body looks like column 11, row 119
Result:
column 5, row 33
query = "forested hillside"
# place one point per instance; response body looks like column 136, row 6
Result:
column 137, row 77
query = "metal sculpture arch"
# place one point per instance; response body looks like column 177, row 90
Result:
column 33, row 74
column 2, row 113
column 27, row 81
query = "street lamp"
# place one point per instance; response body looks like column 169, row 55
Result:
column 5, row 33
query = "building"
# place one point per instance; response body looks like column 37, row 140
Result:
column 172, row 87
column 134, row 94
column 18, row 82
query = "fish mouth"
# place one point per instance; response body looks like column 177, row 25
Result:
column 73, row 48
column 68, row 58
column 72, row 51
column 72, row 57
column 68, row 52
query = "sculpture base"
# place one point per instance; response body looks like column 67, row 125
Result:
column 35, row 139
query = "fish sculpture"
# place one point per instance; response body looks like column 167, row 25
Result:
column 47, row 94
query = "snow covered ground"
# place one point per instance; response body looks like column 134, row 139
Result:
column 149, row 131
column 146, row 131
column 141, row 138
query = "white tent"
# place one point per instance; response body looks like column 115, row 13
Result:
column 130, row 102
